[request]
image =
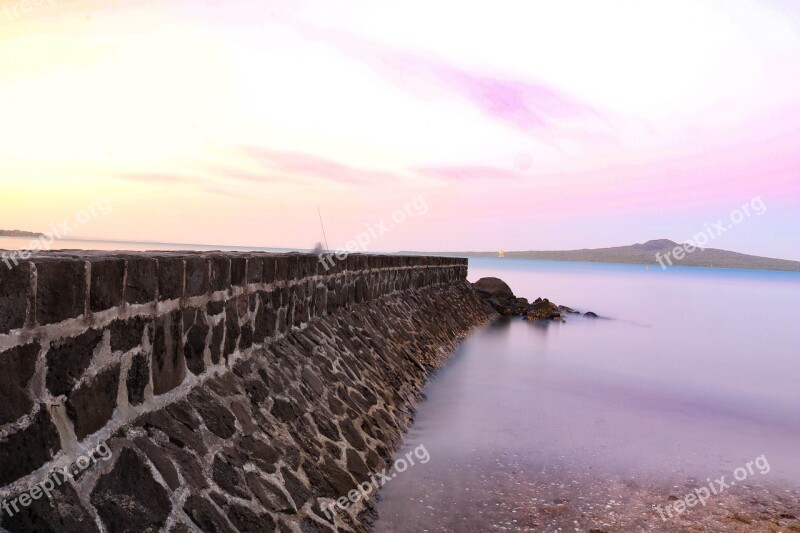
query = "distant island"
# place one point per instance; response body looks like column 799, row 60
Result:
column 656, row 252
column 19, row 233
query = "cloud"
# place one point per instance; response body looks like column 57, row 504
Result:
column 160, row 178
column 303, row 166
column 199, row 183
column 527, row 105
column 262, row 165
column 468, row 172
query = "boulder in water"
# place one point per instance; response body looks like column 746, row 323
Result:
column 493, row 288
column 543, row 310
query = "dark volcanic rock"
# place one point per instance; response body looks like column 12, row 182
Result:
column 170, row 274
column 499, row 295
column 63, row 512
column 543, row 310
column 160, row 461
column 590, row 314
column 14, row 285
column 169, row 363
column 127, row 334
column 140, row 280
column 92, row 404
column 138, row 378
column 217, row 417
column 107, row 275
column 247, row 521
column 129, row 499
column 493, row 288
column 228, row 477
column 194, row 349
column 61, row 290
column 205, row 515
column 26, row 450
column 16, row 369
column 197, row 276
column 68, row 359
column 270, row 495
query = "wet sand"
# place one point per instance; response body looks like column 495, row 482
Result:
column 508, row 494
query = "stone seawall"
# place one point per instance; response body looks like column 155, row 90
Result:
column 232, row 391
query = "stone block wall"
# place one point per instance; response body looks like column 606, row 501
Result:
column 236, row 391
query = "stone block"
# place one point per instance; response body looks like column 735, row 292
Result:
column 255, row 269
column 281, row 267
column 141, row 280
column 169, row 365
column 15, row 283
column 220, row 279
column 128, row 334
column 216, row 416
column 238, row 271
column 197, row 281
column 107, row 275
column 47, row 514
column 26, row 450
column 129, row 499
column 215, row 308
column 195, row 347
column 68, row 359
column 217, row 335
column 293, row 266
column 61, row 289
column 232, row 328
column 270, row 268
column 91, row 405
column 138, row 378
column 171, row 274
column 16, row 369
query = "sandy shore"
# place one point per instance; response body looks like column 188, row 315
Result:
column 509, row 496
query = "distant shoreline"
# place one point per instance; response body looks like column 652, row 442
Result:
column 637, row 254
column 484, row 255
column 20, row 233
column 660, row 253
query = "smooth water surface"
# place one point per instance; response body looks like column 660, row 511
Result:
column 690, row 374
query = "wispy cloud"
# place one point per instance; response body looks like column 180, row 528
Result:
column 527, row 105
column 262, row 165
column 468, row 172
column 299, row 165
column 195, row 182
column 160, row 178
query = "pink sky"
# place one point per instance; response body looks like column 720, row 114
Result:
column 520, row 125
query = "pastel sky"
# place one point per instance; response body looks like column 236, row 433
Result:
column 519, row 125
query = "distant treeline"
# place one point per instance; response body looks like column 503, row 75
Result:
column 19, row 233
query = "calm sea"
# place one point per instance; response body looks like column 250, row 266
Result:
column 691, row 373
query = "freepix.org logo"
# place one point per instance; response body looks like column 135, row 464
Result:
column 54, row 480
column 16, row 10
column 376, row 480
column 57, row 231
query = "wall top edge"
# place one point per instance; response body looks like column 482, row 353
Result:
column 67, row 254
